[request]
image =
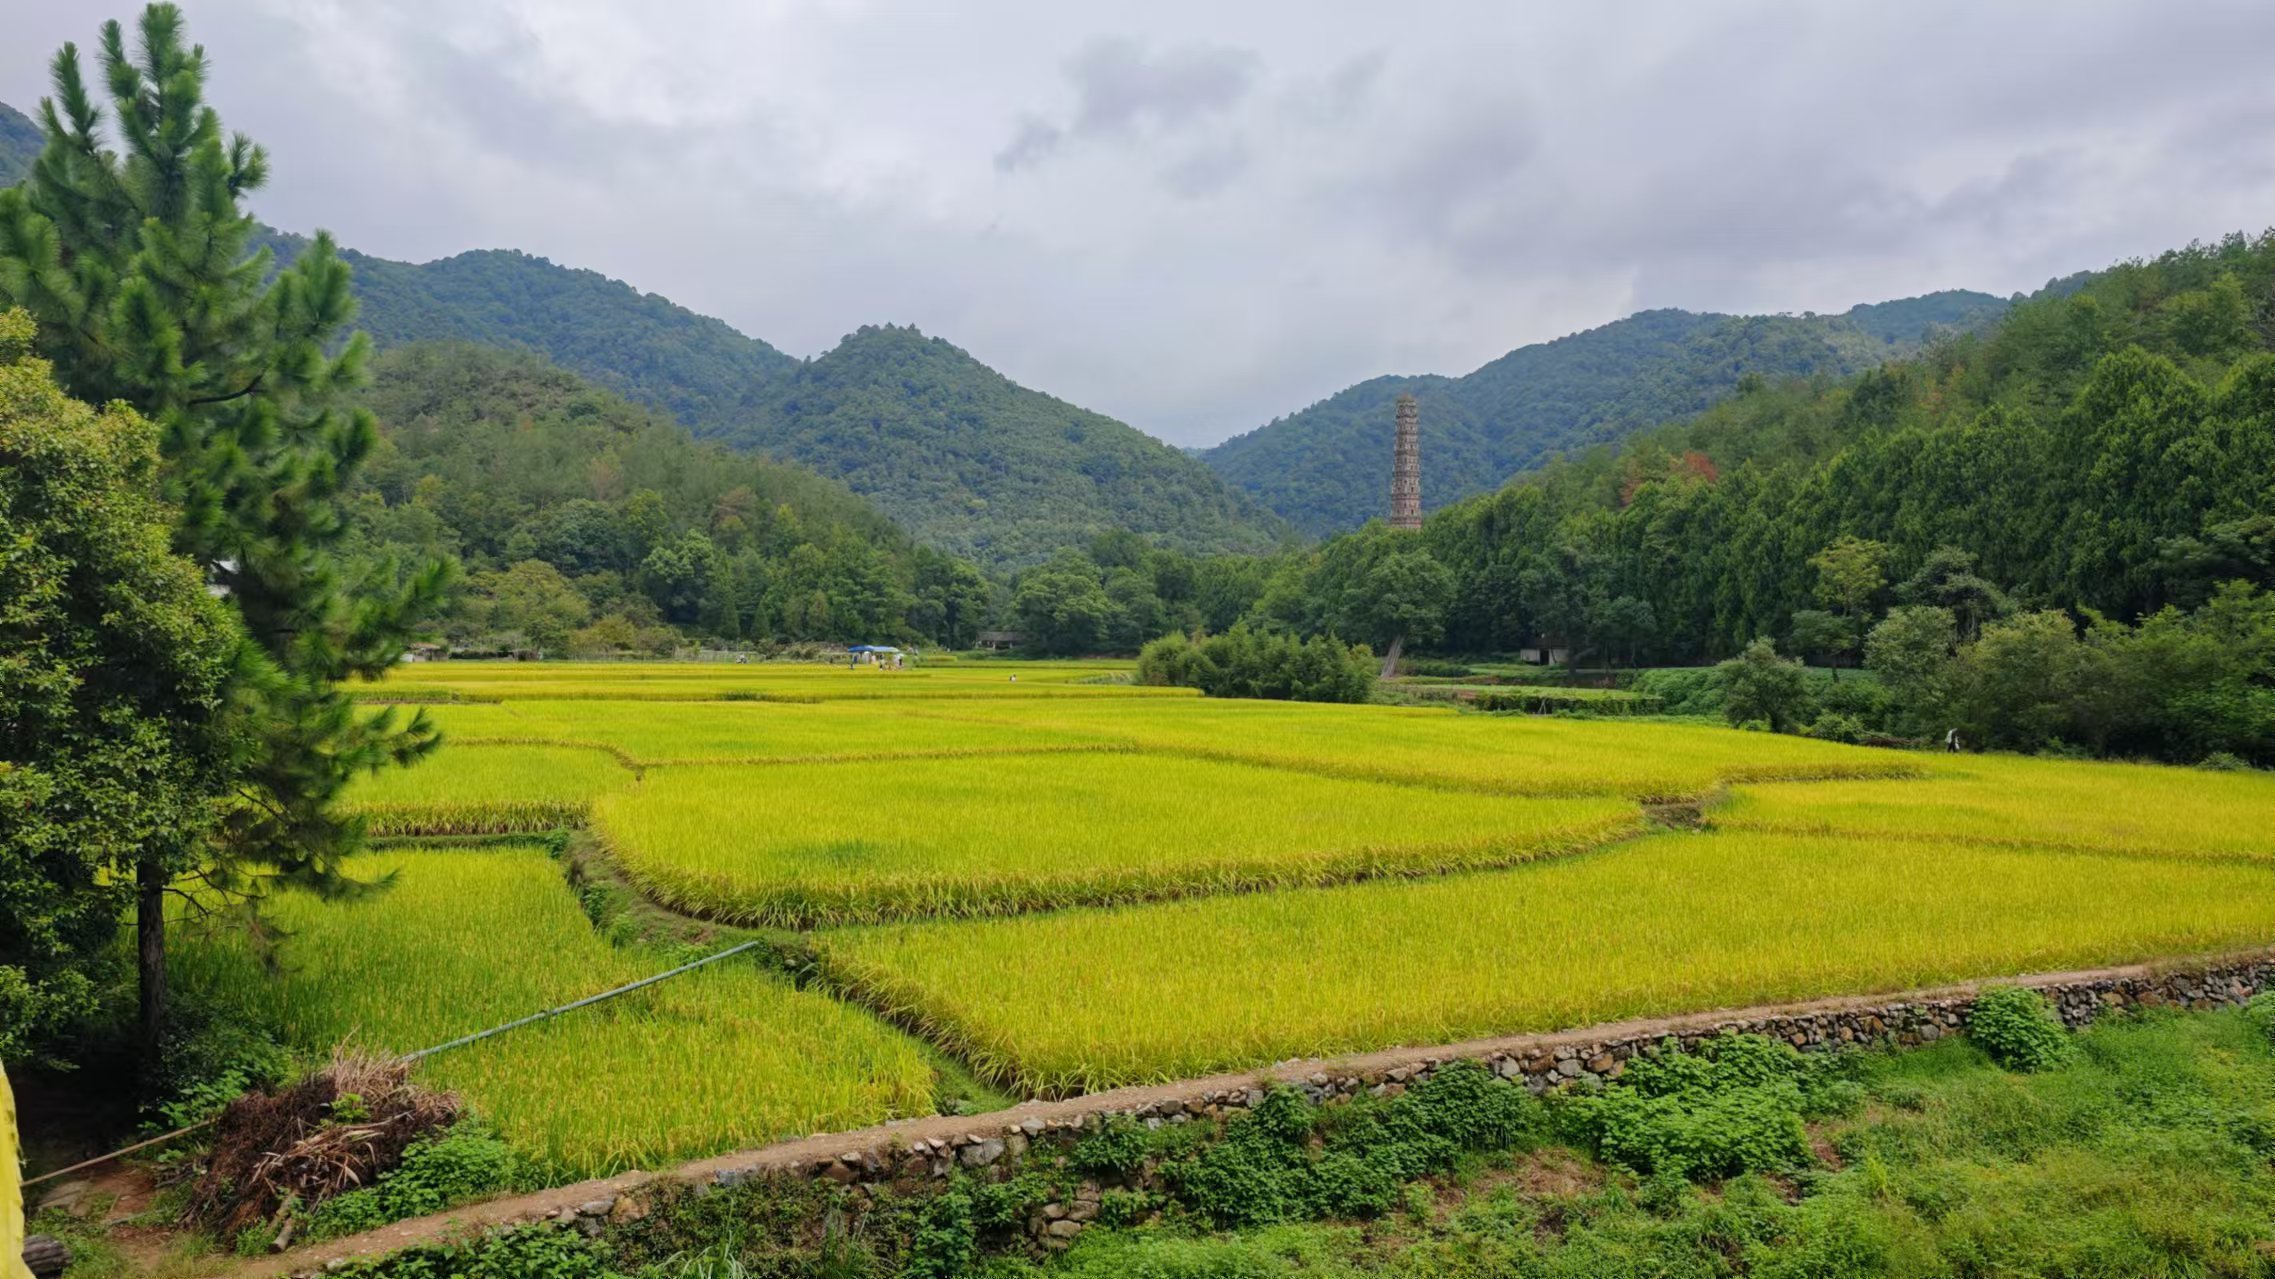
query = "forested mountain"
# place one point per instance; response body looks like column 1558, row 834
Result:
column 975, row 464
column 2108, row 445
column 584, row 520
column 961, row 456
column 20, row 143
column 1326, row 468
column 640, row 345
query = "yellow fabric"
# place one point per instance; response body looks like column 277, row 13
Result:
column 11, row 1192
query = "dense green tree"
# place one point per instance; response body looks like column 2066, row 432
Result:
column 1851, row 573
column 1401, row 595
column 113, row 751
column 530, row 601
column 1627, row 626
column 1946, row 579
column 1814, row 632
column 1910, row 652
column 131, row 251
column 681, row 575
column 951, row 599
column 2021, row 684
column 1062, row 607
column 1758, row 686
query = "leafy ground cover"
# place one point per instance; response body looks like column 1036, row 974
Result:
column 805, row 845
column 1670, row 923
column 488, row 790
column 726, row 1057
column 2006, row 799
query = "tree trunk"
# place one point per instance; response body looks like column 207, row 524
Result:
column 1390, row 659
column 150, row 953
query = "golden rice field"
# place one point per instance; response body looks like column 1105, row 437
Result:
column 726, row 1057
column 772, row 682
column 752, row 732
column 1445, row 748
column 805, row 845
column 487, row 790
column 2033, row 802
column 1677, row 922
column 1074, row 882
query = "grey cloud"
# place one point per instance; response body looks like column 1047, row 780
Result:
column 1033, row 143
column 1458, row 181
column 1123, row 88
column 1206, row 171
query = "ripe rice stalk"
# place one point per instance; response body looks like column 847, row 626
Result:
column 468, row 789
column 1445, row 749
column 2151, row 809
column 725, row 1057
column 1673, row 923
column 810, row 845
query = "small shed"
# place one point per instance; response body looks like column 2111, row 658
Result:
column 1000, row 641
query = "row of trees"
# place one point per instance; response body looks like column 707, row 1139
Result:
column 2184, row 686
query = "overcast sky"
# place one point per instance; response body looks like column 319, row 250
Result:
column 1197, row 215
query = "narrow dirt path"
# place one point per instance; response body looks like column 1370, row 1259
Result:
column 805, row 1152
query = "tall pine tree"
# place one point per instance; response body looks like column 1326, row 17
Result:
column 135, row 262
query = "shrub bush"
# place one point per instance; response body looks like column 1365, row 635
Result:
column 1246, row 663
column 1683, row 690
column 1115, row 1150
column 1837, row 728
column 1267, row 1169
column 463, row 1164
column 1735, row 1106
column 2260, row 1011
column 2019, row 1029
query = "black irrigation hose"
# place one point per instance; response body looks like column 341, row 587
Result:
column 459, row 1042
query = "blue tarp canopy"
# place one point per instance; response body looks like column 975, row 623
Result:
column 872, row 648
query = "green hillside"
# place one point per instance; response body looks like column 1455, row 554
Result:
column 569, row 505
column 1326, row 468
column 640, row 345
column 975, row 464
column 20, row 142
column 962, row 457
column 2107, row 444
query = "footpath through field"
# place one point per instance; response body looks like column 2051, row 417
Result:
column 1034, row 1116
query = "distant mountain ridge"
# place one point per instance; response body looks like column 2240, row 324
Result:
column 981, row 466
column 1326, row 468
column 643, row 346
column 20, row 144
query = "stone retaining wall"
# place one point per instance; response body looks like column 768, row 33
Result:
column 994, row 1145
